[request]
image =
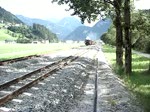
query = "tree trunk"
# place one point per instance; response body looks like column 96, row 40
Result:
column 119, row 34
column 128, row 52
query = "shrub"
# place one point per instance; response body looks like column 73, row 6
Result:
column 23, row 40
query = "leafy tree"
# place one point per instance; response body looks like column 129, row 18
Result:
column 127, row 35
column 109, row 37
column 141, row 30
column 93, row 9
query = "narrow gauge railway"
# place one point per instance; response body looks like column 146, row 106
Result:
column 12, row 88
column 17, row 59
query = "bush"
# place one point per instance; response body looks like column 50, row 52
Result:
column 147, row 49
column 23, row 40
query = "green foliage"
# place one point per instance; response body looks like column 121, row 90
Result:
column 139, row 81
column 37, row 32
column 23, row 40
column 43, row 33
column 110, row 36
column 87, row 9
column 147, row 48
column 141, row 30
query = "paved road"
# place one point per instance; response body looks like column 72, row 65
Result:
column 142, row 54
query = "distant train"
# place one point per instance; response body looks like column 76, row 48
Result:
column 89, row 42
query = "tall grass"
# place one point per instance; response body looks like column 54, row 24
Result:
column 139, row 81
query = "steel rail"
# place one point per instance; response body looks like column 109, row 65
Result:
column 17, row 59
column 16, row 80
column 53, row 68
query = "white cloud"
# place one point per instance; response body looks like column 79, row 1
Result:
column 35, row 8
column 142, row 4
column 44, row 9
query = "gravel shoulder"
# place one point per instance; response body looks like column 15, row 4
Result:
column 72, row 88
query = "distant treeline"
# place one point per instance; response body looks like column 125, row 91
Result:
column 36, row 32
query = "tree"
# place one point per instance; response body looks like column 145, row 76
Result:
column 140, row 30
column 128, row 53
column 119, row 33
column 109, row 37
column 92, row 9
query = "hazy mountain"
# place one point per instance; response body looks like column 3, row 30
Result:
column 79, row 33
column 70, row 23
column 94, row 32
column 61, row 28
column 53, row 20
column 99, row 29
column 30, row 21
column 65, row 26
column 6, row 16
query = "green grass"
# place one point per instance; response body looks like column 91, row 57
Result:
column 4, row 35
column 10, row 51
column 139, row 81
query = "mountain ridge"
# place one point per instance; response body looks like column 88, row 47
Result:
column 62, row 28
column 93, row 33
column 6, row 16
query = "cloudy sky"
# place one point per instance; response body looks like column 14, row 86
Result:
column 35, row 8
column 44, row 9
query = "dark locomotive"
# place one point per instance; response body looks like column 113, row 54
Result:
column 89, row 42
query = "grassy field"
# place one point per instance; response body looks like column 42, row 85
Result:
column 9, row 51
column 4, row 35
column 139, row 81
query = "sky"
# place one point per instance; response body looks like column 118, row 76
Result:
column 44, row 9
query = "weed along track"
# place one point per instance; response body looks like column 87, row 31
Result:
column 13, row 88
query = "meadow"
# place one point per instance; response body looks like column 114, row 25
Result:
column 139, row 81
column 10, row 51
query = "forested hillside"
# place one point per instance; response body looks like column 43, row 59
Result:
column 36, row 32
column 6, row 16
column 62, row 28
column 13, row 29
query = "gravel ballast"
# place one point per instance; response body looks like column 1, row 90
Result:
column 71, row 89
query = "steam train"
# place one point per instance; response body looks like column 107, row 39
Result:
column 89, row 42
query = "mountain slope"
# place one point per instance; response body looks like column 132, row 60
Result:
column 65, row 26
column 93, row 33
column 30, row 21
column 70, row 23
column 99, row 29
column 6, row 16
column 79, row 33
column 61, row 28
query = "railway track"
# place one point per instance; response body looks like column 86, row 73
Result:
column 13, row 88
column 17, row 59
